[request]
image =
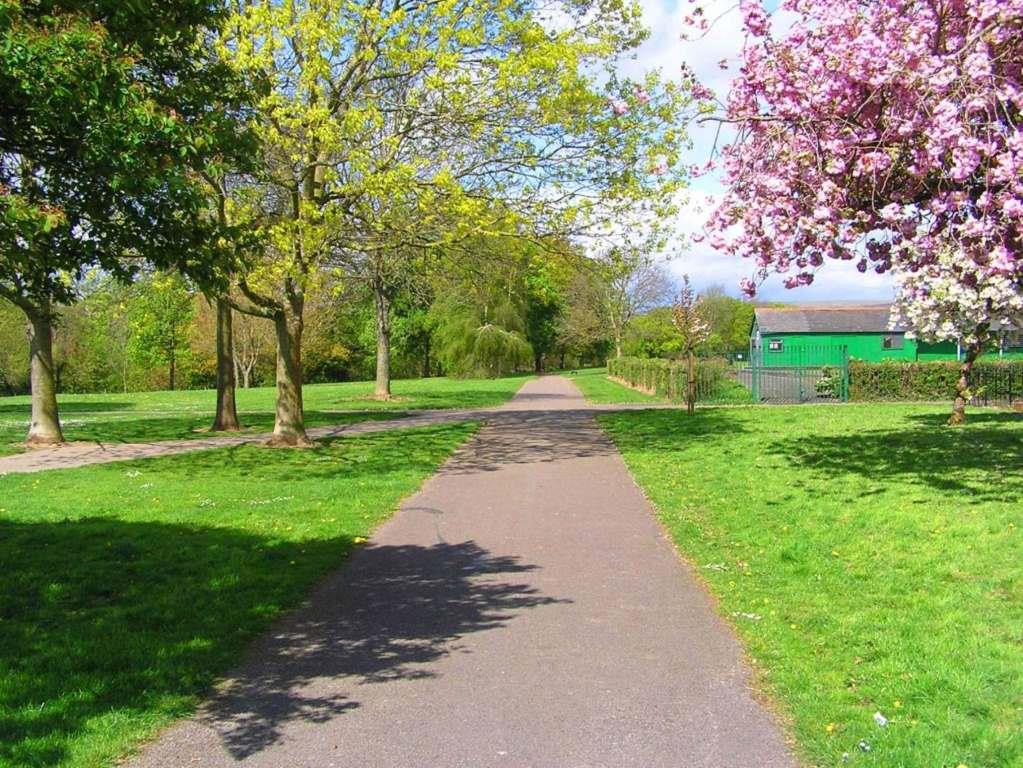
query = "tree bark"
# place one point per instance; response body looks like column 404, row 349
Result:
column 44, row 428
column 383, row 315
column 289, row 424
column 538, row 363
column 171, row 372
column 963, row 393
column 226, row 419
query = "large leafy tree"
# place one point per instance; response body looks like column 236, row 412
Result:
column 887, row 134
column 106, row 110
column 396, row 129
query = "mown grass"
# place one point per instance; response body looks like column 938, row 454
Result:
column 149, row 416
column 871, row 560
column 599, row 389
column 126, row 589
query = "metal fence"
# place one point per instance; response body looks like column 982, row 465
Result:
column 997, row 385
column 812, row 374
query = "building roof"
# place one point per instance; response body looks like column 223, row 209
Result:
column 869, row 318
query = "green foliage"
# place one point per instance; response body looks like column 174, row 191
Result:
column 127, row 589
column 868, row 559
column 668, row 379
column 159, row 319
column 106, row 111
column 545, row 305
column 652, row 334
column 897, row 380
column 13, row 357
column 480, row 341
column 730, row 320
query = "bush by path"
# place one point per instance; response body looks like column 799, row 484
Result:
column 893, row 380
column 667, row 379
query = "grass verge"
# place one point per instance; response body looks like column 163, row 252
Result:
column 600, row 390
column 126, row 589
column 871, row 561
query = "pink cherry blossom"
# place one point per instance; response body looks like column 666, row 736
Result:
column 884, row 133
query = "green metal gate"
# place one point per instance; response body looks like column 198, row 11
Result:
column 807, row 374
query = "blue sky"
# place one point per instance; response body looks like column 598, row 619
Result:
column 665, row 50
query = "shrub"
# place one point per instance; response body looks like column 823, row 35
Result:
column 995, row 381
column 668, row 378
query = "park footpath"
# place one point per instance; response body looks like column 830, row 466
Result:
column 523, row 609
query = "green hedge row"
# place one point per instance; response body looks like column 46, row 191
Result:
column 667, row 378
column 892, row 380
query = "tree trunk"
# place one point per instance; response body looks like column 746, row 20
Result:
column 246, row 377
column 44, row 428
column 691, row 384
column 618, row 342
column 538, row 363
column 963, row 393
column 170, row 375
column 383, row 312
column 426, row 358
column 226, row 419
column 289, row 425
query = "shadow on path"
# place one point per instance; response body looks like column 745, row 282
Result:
column 385, row 617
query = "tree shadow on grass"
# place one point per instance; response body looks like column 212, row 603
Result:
column 102, row 616
column 110, row 621
column 982, row 460
column 100, row 406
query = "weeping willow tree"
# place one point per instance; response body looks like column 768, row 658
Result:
column 481, row 340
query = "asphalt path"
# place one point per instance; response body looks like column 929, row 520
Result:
column 523, row 609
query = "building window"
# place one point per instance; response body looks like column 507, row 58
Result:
column 774, row 345
column 892, row 341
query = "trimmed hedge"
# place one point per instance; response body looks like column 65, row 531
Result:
column 667, row 378
column 893, row 380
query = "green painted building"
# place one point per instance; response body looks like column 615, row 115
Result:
column 816, row 335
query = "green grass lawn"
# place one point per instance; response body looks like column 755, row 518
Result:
column 871, row 560
column 599, row 389
column 126, row 589
column 148, row 416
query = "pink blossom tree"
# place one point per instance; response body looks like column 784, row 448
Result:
column 687, row 315
column 887, row 134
